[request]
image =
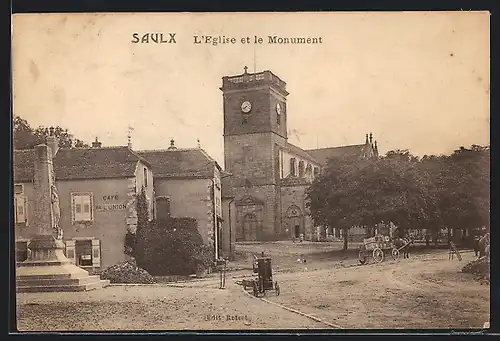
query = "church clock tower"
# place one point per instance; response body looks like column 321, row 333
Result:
column 254, row 132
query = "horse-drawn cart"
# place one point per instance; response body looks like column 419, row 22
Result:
column 377, row 247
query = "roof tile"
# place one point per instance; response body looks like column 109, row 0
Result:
column 81, row 163
column 180, row 163
column 323, row 154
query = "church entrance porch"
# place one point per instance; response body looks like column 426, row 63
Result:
column 295, row 222
column 249, row 219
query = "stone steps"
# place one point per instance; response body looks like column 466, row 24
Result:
column 63, row 280
column 61, row 285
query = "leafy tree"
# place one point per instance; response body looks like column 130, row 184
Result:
column 131, row 237
column 433, row 192
column 365, row 192
column 25, row 137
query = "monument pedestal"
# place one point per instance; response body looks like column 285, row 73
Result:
column 47, row 269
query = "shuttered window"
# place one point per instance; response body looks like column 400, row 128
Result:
column 82, row 207
column 20, row 205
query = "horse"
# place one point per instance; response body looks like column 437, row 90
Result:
column 404, row 245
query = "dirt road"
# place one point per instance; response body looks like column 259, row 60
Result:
column 426, row 291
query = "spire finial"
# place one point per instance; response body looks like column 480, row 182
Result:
column 129, row 136
column 245, row 68
column 199, row 144
column 172, row 145
column 366, row 139
column 371, row 137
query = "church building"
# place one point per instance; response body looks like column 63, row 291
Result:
column 269, row 175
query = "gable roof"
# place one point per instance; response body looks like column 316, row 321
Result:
column 180, row 163
column 300, row 152
column 323, row 154
column 81, row 163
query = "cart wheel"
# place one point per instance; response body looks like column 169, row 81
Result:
column 378, row 255
column 395, row 254
column 277, row 288
column 255, row 289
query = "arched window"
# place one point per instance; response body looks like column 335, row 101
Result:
column 301, row 169
column 316, row 172
column 292, row 166
column 145, row 177
column 309, row 170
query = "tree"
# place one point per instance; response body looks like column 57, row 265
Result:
column 360, row 192
column 25, row 137
column 131, row 237
column 430, row 193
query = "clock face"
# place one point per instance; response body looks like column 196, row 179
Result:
column 278, row 108
column 246, row 107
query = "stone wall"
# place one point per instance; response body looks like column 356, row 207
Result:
column 249, row 157
column 264, row 209
column 190, row 198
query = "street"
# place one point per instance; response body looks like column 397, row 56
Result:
column 425, row 291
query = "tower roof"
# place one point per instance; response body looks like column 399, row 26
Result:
column 250, row 80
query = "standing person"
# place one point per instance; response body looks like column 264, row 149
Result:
column 476, row 244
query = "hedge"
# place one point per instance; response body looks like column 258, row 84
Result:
column 172, row 246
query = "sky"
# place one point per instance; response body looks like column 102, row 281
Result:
column 416, row 80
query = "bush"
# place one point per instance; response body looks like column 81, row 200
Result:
column 127, row 272
column 172, row 246
column 203, row 259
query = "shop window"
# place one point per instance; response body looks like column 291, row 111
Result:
column 81, row 207
column 83, row 252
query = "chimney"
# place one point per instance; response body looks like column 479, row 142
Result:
column 96, row 143
column 172, row 145
column 52, row 142
column 375, row 149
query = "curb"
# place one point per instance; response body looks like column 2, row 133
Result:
column 314, row 318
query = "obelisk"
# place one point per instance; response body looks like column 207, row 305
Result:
column 47, row 268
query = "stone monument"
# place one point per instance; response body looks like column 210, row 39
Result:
column 47, row 268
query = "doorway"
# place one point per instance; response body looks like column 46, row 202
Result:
column 83, row 251
column 295, row 221
column 249, row 230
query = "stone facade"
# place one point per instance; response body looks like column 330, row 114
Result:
column 191, row 180
column 270, row 176
column 112, row 211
